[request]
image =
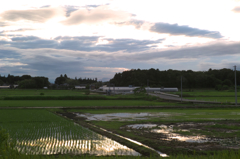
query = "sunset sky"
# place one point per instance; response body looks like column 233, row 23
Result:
column 97, row 38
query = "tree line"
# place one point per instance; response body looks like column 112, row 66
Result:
column 218, row 79
column 28, row 82
column 24, row 81
column 77, row 81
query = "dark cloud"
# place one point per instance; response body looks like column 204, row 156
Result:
column 83, row 43
column 211, row 50
column 89, row 44
column 236, row 9
column 43, row 63
column 7, row 53
column 25, row 38
column 175, row 29
column 37, row 15
column 128, row 45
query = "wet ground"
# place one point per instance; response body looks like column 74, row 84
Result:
column 189, row 136
column 175, row 137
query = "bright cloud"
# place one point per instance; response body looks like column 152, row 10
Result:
column 36, row 15
column 95, row 16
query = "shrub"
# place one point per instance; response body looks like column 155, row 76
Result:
column 225, row 87
column 139, row 91
column 41, row 94
column 3, row 140
column 218, row 87
column 87, row 92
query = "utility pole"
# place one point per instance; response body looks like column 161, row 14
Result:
column 235, row 86
column 181, row 88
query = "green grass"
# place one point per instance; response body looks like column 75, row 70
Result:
column 79, row 103
column 215, row 99
column 203, row 92
column 36, row 92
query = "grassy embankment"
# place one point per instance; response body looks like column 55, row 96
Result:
column 210, row 95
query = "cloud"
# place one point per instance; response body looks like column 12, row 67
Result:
column 175, row 29
column 25, row 38
column 43, row 63
column 36, row 15
column 70, row 9
column 97, row 15
column 172, row 29
column 195, row 52
column 236, row 9
column 82, row 43
column 128, row 45
column 8, row 53
column 18, row 30
column 136, row 23
column 3, row 24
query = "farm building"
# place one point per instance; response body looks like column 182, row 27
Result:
column 130, row 89
column 80, row 87
column 4, row 87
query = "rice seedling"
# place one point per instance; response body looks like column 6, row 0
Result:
column 41, row 132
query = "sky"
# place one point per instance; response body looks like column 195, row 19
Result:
column 98, row 38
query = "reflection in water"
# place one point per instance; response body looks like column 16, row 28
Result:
column 122, row 116
column 46, row 146
column 136, row 142
column 168, row 130
column 141, row 126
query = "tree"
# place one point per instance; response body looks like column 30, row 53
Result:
column 27, row 84
column 227, row 82
column 1, row 82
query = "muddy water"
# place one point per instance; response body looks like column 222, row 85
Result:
column 172, row 134
column 168, row 130
column 121, row 116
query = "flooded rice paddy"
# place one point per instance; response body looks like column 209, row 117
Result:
column 54, row 140
column 191, row 135
column 46, row 146
column 42, row 132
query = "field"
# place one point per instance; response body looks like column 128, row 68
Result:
column 213, row 131
column 80, row 103
column 210, row 95
column 35, row 92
